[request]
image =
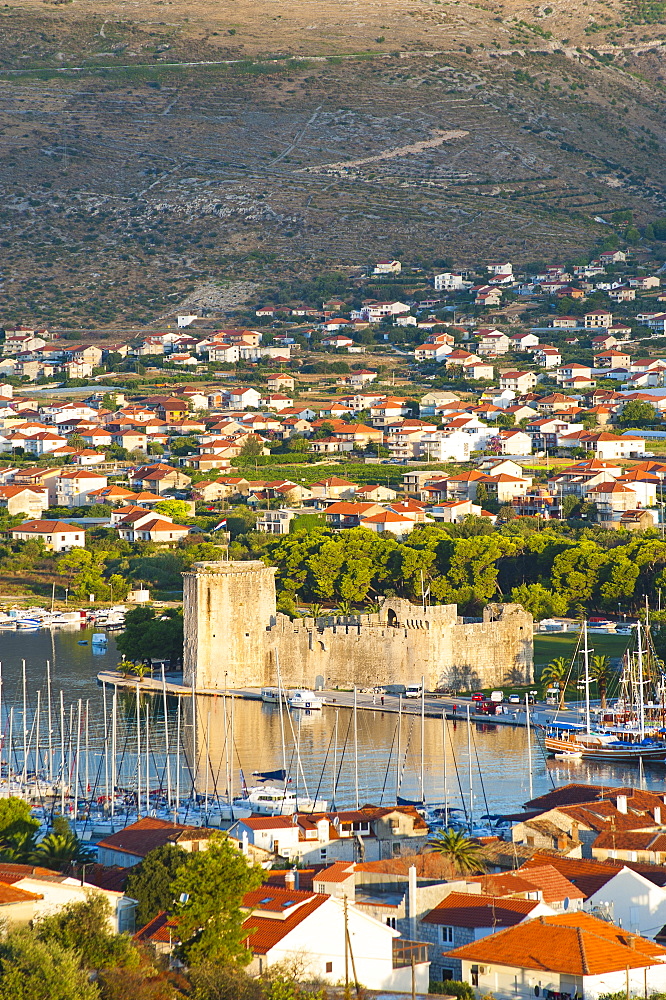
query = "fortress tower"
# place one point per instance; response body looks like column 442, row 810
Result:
column 234, row 638
column 228, row 607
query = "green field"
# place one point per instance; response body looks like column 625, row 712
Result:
column 547, row 646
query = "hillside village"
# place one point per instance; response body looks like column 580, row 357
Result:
column 507, row 402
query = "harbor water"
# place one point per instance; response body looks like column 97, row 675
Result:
column 495, row 758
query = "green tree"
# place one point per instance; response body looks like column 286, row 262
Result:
column 211, row 888
column 58, row 848
column 18, row 831
column 638, row 414
column 465, row 856
column 147, row 636
column 151, row 881
column 253, row 447
column 539, row 601
column 211, row 981
column 299, row 444
column 85, row 927
column 179, row 510
column 33, row 969
column 555, row 674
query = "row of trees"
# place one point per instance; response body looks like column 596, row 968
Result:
column 549, row 570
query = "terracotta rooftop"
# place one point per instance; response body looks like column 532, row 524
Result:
column 464, row 909
column 589, row 876
column 575, row 944
column 161, row 929
column 263, row 933
column 553, row 885
column 146, row 834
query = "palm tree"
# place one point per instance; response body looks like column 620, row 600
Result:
column 345, row 608
column 316, row 610
column 600, row 671
column 554, row 674
column 464, row 855
column 57, row 850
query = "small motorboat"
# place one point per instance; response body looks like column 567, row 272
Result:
column 83, row 642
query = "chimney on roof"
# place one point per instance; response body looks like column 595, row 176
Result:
column 412, row 901
column 657, row 814
column 621, row 804
column 291, row 878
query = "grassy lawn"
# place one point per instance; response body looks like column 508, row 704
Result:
column 547, row 646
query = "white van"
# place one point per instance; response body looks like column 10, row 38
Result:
column 413, row 691
column 497, row 697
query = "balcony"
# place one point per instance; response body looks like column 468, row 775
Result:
column 407, row 953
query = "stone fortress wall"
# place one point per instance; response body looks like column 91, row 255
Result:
column 234, row 637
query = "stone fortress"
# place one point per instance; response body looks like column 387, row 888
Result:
column 235, row 638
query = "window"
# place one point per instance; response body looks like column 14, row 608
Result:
column 329, row 966
column 446, row 934
column 322, row 853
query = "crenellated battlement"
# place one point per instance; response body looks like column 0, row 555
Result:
column 234, row 637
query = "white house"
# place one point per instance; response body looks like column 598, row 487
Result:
column 447, row 281
column 56, row 535
column 387, row 267
column 328, row 936
column 632, row 902
column 74, row 485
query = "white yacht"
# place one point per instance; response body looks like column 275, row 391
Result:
column 305, row 699
column 271, row 800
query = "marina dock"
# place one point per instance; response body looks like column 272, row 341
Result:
column 366, row 701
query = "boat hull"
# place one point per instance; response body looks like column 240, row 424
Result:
column 578, row 751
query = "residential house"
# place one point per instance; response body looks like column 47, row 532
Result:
column 492, row 342
column 519, row 381
column 38, row 476
column 604, row 445
column 571, row 953
column 158, row 478
column 55, row 535
column 334, row 488
column 73, row 486
column 129, row 846
column 30, row 500
column 598, row 318
column 389, row 522
column 462, row 918
column 387, row 267
column 285, row 925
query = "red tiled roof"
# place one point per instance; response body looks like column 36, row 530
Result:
column 572, row 944
column 463, row 909
column 263, row 933
column 158, row 930
column 143, row 836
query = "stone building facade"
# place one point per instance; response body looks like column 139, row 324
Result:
column 234, row 637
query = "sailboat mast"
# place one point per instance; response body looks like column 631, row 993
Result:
column 355, row 749
column 335, row 761
column 586, row 661
column 62, row 753
column 423, row 739
column 166, row 738
column 106, row 746
column 114, row 744
column 24, row 772
column 446, row 777
column 50, row 720
column 138, row 754
column 469, row 764
column 641, row 699
column 177, row 805
column 397, row 759
column 529, row 743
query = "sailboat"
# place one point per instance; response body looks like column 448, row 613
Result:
column 628, row 740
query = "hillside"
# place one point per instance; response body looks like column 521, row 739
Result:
column 149, row 149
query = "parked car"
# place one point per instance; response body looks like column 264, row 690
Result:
column 515, row 699
column 478, row 696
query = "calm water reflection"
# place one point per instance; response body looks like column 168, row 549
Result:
column 499, row 758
